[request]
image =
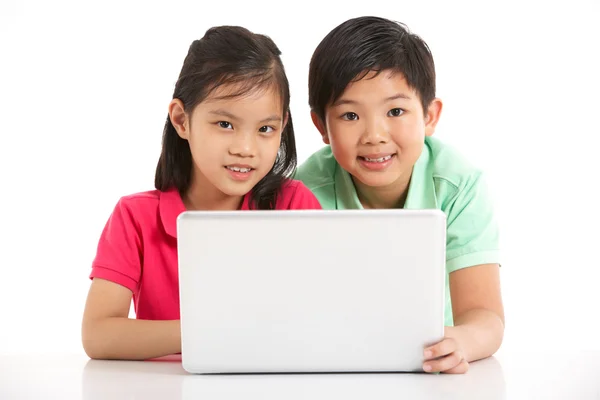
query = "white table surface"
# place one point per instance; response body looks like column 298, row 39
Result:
column 551, row 375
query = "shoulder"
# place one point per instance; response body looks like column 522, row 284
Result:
column 319, row 173
column 121, row 244
column 140, row 201
column 453, row 174
column 318, row 170
column 295, row 195
column 449, row 164
column 462, row 193
column 138, row 209
column 131, row 216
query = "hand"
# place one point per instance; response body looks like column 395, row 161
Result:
column 445, row 356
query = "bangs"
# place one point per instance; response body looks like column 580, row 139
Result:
column 231, row 86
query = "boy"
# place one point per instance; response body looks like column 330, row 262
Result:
column 372, row 98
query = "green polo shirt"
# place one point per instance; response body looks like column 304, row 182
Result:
column 441, row 179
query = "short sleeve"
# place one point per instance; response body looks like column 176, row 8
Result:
column 472, row 232
column 303, row 198
column 118, row 255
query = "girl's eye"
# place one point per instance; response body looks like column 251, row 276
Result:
column 395, row 112
column 225, row 125
column 350, row 116
column 266, row 129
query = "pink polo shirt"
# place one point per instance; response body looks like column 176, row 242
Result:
column 138, row 246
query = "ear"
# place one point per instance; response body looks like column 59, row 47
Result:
column 320, row 125
column 433, row 116
column 179, row 118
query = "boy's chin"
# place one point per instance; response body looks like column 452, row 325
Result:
column 374, row 180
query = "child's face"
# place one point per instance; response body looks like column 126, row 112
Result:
column 234, row 141
column 376, row 130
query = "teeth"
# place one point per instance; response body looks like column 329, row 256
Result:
column 237, row 169
column 381, row 159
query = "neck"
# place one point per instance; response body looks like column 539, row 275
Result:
column 385, row 197
column 202, row 195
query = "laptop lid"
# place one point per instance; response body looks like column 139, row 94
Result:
column 310, row 290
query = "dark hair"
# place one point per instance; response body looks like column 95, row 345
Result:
column 363, row 45
column 228, row 55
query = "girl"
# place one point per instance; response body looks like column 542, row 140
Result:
column 228, row 144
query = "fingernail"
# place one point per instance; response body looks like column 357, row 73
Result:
column 426, row 367
column 428, row 353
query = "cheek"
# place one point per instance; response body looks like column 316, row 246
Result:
column 269, row 150
column 344, row 139
column 205, row 151
column 408, row 132
column 344, row 150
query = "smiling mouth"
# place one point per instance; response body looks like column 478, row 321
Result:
column 243, row 170
column 377, row 160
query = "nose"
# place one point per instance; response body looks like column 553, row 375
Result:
column 243, row 144
column 376, row 132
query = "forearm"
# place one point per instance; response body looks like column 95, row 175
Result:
column 131, row 339
column 479, row 333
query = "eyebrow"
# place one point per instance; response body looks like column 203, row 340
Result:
column 229, row 115
column 350, row 101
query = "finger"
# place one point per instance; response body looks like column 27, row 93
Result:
column 443, row 348
column 443, row 364
column 461, row 368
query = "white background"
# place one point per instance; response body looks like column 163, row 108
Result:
column 84, row 89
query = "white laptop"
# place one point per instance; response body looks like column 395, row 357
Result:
column 310, row 291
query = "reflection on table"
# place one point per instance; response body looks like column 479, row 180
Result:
column 165, row 378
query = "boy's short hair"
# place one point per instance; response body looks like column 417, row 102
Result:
column 362, row 45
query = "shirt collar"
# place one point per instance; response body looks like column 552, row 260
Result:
column 421, row 190
column 171, row 205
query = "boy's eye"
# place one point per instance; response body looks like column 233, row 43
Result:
column 395, row 112
column 225, row 125
column 350, row 116
column 266, row 129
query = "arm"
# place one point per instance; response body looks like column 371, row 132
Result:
column 478, row 320
column 472, row 251
column 108, row 333
column 478, row 311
